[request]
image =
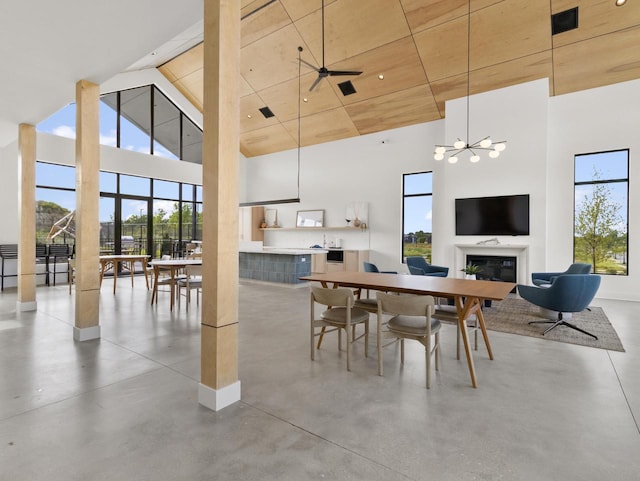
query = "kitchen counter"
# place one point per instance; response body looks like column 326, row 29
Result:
column 276, row 264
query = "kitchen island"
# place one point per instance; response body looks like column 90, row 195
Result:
column 280, row 265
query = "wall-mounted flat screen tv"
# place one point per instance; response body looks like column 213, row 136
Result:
column 502, row 215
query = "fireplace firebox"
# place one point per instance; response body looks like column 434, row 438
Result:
column 495, row 268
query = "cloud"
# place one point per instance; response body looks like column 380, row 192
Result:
column 109, row 139
column 64, row 131
column 166, row 205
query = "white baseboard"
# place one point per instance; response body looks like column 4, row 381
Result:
column 26, row 306
column 217, row 399
column 86, row 334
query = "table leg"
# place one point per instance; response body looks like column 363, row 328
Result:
column 115, row 275
column 156, row 275
column 144, row 269
column 324, row 328
column 173, row 287
column 483, row 328
column 463, row 312
column 103, row 266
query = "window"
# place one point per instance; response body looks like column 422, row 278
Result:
column 416, row 214
column 601, row 194
column 141, row 119
column 123, row 210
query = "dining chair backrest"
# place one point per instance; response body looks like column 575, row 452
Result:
column 193, row 270
column 422, row 306
column 340, row 297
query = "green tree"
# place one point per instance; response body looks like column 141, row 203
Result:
column 597, row 217
column 47, row 214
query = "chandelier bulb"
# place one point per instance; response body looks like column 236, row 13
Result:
column 459, row 144
column 484, row 143
column 440, row 149
column 474, row 158
column 453, row 159
column 500, row 147
column 438, row 156
column 494, row 153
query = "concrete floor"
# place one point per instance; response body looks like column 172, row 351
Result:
column 125, row 407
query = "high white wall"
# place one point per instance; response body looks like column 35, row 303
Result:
column 333, row 175
column 9, row 194
column 518, row 115
column 596, row 120
column 60, row 150
column 543, row 135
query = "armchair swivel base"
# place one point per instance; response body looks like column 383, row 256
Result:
column 568, row 293
column 561, row 322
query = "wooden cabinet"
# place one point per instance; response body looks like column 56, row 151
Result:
column 249, row 220
column 319, row 263
column 351, row 261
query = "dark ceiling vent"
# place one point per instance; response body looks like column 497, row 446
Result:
column 564, row 21
column 266, row 111
column 347, row 88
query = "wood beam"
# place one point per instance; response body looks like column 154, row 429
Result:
column 219, row 374
column 87, row 323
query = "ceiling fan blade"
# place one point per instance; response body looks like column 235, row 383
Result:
column 315, row 82
column 343, row 72
column 310, row 65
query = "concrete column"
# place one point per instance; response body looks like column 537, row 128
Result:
column 27, row 218
column 87, row 322
column 219, row 385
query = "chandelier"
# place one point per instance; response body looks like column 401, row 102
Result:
column 461, row 146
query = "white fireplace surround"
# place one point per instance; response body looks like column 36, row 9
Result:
column 519, row 251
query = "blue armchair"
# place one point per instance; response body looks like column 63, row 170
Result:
column 419, row 266
column 545, row 279
column 369, row 267
column 568, row 293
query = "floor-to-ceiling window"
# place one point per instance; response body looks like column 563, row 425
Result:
column 416, row 214
column 138, row 215
column 601, row 211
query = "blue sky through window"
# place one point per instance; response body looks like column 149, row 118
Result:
column 418, row 210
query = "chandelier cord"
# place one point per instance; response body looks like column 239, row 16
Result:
column 299, row 95
column 484, row 144
column 468, row 66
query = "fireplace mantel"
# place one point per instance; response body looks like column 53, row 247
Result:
column 519, row 251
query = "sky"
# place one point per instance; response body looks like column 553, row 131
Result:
column 418, row 210
column 62, row 123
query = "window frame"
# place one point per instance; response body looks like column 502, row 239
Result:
column 606, row 181
column 404, row 197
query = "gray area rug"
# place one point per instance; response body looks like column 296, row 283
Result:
column 512, row 315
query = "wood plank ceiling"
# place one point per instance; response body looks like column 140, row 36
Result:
column 420, row 46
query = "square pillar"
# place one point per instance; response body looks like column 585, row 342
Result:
column 221, row 139
column 27, row 218
column 87, row 323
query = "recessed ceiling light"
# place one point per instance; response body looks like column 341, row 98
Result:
column 380, row 77
column 305, row 99
column 155, row 53
column 248, row 116
column 620, row 3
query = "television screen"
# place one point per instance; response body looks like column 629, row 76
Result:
column 503, row 215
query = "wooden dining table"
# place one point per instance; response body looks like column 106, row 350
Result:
column 127, row 261
column 172, row 266
column 468, row 296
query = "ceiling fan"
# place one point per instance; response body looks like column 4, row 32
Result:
column 323, row 71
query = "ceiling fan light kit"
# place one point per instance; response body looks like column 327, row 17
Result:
column 460, row 146
column 323, row 71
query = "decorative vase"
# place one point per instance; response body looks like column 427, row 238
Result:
column 470, row 276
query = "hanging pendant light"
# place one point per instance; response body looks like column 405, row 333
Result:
column 461, row 146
